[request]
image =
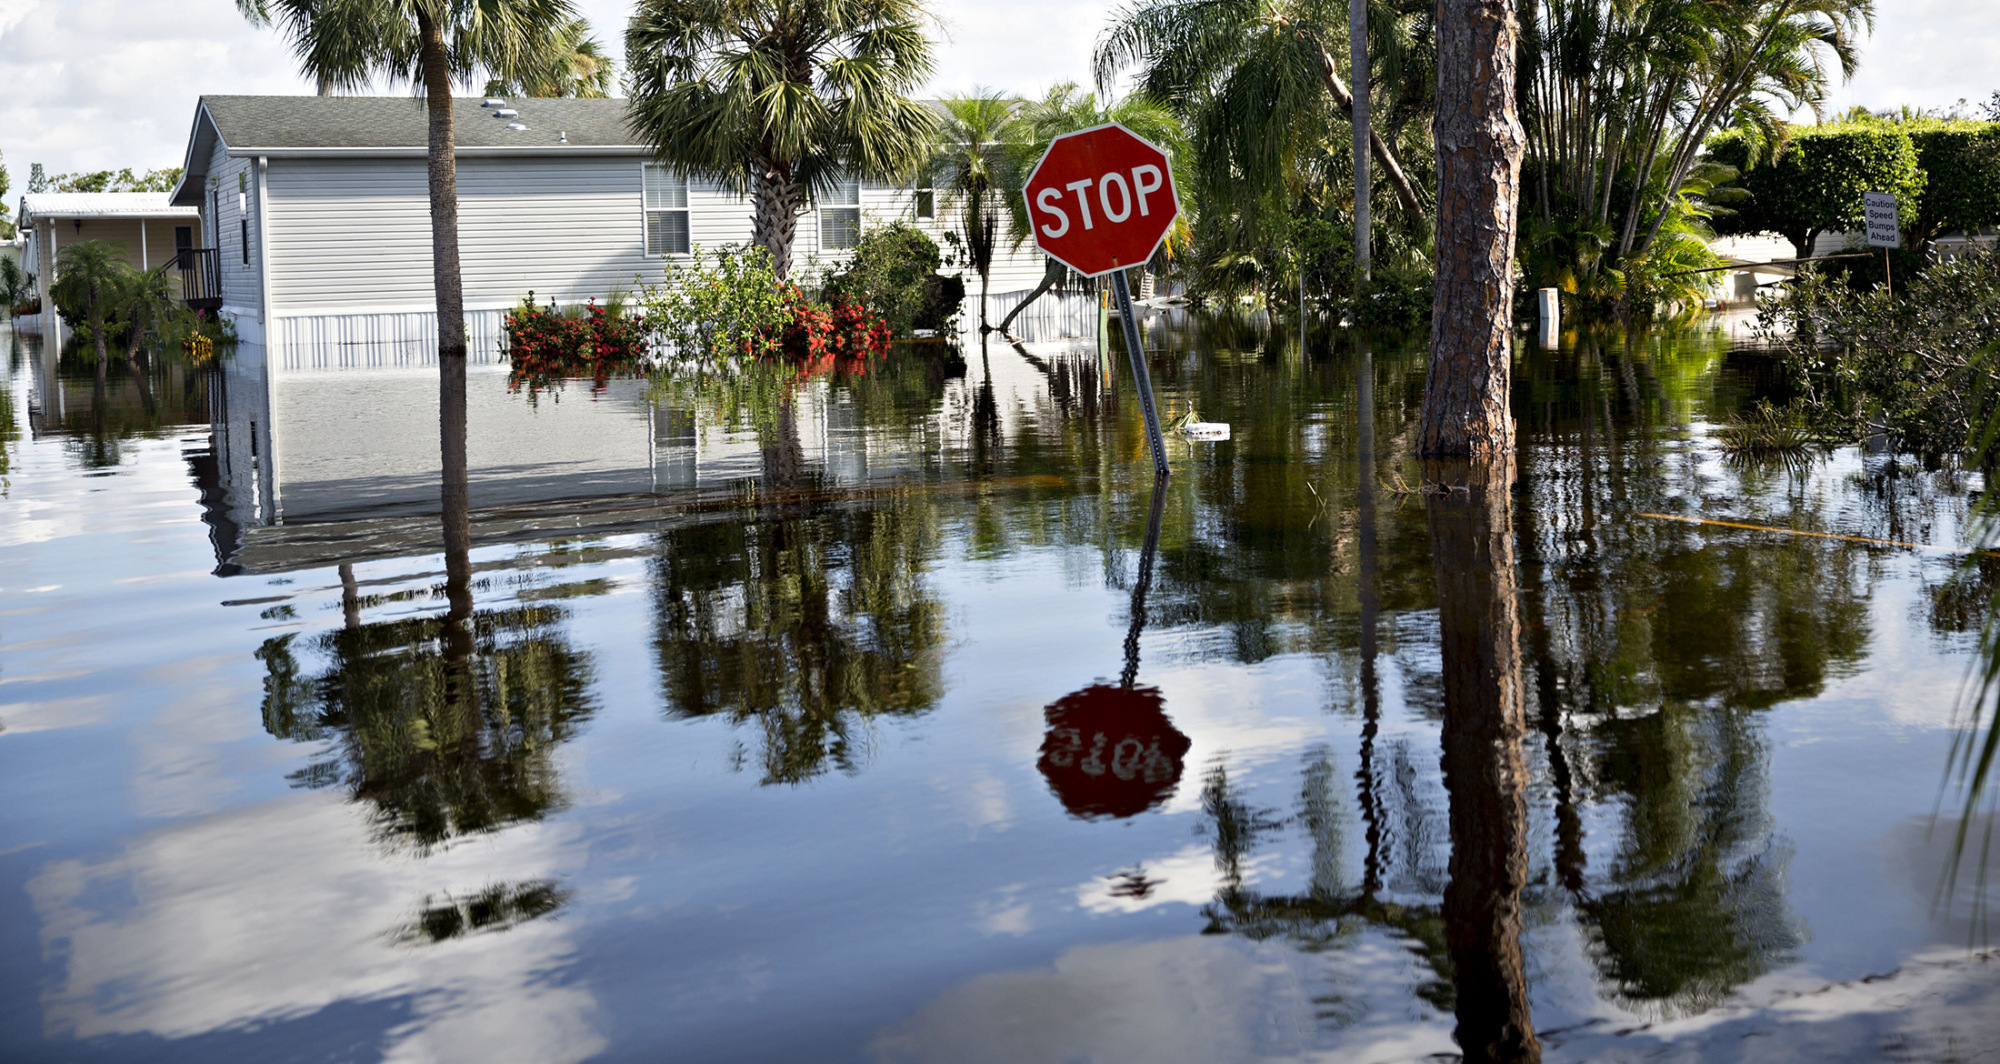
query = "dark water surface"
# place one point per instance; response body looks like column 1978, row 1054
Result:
column 854, row 719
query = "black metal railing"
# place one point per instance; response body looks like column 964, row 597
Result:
column 201, row 276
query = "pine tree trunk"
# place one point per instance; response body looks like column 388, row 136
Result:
column 1485, row 774
column 455, row 481
column 1479, row 146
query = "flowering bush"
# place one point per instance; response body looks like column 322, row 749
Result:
column 546, row 346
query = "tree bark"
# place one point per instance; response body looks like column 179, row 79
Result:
column 454, row 479
column 776, row 204
column 1479, row 147
column 1485, row 775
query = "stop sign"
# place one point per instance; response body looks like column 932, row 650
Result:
column 1101, row 199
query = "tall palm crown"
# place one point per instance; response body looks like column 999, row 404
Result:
column 348, row 43
column 572, row 63
column 977, row 167
column 782, row 99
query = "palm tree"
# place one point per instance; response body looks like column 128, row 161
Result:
column 90, row 281
column 782, row 99
column 1253, row 78
column 978, row 167
column 431, row 44
column 574, row 64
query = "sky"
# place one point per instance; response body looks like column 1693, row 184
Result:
column 105, row 84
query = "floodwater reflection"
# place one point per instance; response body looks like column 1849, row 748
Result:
column 716, row 719
column 1485, row 722
column 1109, row 749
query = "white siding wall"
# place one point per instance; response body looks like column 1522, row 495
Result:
column 350, row 252
column 242, row 284
column 354, row 235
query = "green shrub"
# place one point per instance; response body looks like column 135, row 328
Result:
column 1961, row 164
column 894, row 274
column 1920, row 366
column 709, row 315
column 1816, row 184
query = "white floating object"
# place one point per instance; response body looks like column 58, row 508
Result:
column 1206, row 430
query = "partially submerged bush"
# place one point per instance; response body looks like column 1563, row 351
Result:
column 894, row 274
column 1919, row 366
column 547, row 345
column 709, row 314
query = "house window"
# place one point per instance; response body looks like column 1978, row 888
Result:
column 926, row 198
column 245, row 225
column 840, row 216
column 666, row 212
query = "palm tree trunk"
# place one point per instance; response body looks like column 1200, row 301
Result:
column 1480, row 141
column 454, row 481
column 774, row 220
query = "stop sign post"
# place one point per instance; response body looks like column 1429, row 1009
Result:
column 1100, row 201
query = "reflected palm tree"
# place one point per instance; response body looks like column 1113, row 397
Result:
column 806, row 626
column 447, row 725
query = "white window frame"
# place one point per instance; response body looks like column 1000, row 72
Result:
column 657, row 184
column 836, row 212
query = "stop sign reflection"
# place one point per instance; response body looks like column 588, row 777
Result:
column 1111, row 752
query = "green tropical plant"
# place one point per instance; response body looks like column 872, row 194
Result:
column 782, row 99
column 91, row 277
column 148, row 301
column 571, row 63
column 978, row 165
column 712, row 316
column 894, row 273
column 16, row 284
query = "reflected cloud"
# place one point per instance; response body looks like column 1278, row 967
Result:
column 1194, row 999
column 276, row 911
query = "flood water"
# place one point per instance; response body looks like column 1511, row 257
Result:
column 894, row 716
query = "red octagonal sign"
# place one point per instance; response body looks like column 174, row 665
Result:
column 1101, row 200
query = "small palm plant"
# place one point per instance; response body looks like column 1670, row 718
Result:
column 91, row 279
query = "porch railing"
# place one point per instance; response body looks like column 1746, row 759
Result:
column 201, row 276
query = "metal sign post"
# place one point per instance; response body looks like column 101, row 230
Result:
column 1142, row 379
column 1879, row 208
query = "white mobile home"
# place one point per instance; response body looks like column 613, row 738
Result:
column 317, row 214
column 148, row 229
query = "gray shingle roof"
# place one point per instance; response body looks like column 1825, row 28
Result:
column 308, row 122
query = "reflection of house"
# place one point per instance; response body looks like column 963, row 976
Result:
column 144, row 224
column 320, row 212
column 300, row 490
